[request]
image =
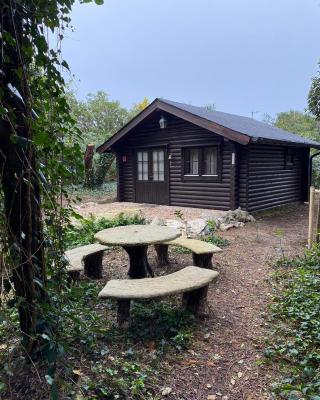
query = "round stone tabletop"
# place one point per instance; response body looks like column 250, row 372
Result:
column 136, row 235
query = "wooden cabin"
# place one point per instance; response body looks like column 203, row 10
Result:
column 186, row 156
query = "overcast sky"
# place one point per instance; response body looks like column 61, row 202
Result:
column 241, row 55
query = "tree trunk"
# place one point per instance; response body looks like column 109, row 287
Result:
column 24, row 230
column 20, row 185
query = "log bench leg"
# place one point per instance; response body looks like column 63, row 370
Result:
column 123, row 317
column 162, row 254
column 139, row 264
column 195, row 301
column 73, row 276
column 202, row 260
column 93, row 265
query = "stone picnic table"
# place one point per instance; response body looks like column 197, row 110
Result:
column 135, row 239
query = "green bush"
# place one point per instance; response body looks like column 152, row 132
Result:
column 295, row 343
column 213, row 236
column 83, row 233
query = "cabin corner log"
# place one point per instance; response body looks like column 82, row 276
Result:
column 162, row 254
column 93, row 265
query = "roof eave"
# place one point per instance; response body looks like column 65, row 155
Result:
column 176, row 111
column 284, row 143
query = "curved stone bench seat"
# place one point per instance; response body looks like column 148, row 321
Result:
column 202, row 252
column 191, row 281
column 86, row 258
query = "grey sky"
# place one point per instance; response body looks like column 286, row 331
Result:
column 241, row 55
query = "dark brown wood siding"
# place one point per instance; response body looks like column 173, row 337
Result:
column 270, row 182
column 125, row 179
column 243, row 182
column 177, row 135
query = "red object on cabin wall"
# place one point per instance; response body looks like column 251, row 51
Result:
column 124, row 158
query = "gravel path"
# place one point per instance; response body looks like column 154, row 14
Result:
column 225, row 359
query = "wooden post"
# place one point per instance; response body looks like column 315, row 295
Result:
column 317, row 216
column 311, row 217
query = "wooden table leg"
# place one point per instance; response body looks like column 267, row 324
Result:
column 139, row 265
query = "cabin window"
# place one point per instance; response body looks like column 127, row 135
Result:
column 289, row 157
column 158, row 165
column 201, row 162
column 210, row 161
column 191, row 166
column 143, row 165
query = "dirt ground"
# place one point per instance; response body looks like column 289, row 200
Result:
column 110, row 209
column 224, row 360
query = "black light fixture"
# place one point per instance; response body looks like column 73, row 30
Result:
column 163, row 122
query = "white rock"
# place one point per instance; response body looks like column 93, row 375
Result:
column 166, row 391
column 226, row 227
column 173, row 223
column 196, row 227
column 158, row 221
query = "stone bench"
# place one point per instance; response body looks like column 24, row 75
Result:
column 202, row 252
column 85, row 258
column 191, row 281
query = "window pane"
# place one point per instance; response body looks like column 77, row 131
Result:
column 210, row 161
column 194, row 162
column 142, row 157
column 158, row 165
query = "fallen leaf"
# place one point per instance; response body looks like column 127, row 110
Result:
column 77, row 372
column 233, row 382
column 211, row 397
column 240, row 374
column 166, row 391
column 151, row 345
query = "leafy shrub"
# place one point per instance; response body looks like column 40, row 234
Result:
column 295, row 342
column 83, row 233
column 213, row 237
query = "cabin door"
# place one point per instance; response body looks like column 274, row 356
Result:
column 152, row 176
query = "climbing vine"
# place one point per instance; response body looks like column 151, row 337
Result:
column 38, row 159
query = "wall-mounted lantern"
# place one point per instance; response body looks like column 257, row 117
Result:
column 124, row 158
column 163, row 122
column 233, row 158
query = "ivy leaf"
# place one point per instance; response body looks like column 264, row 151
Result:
column 49, row 379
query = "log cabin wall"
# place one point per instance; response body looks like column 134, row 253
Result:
column 270, row 181
column 177, row 135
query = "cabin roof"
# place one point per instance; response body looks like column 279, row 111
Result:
column 234, row 127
